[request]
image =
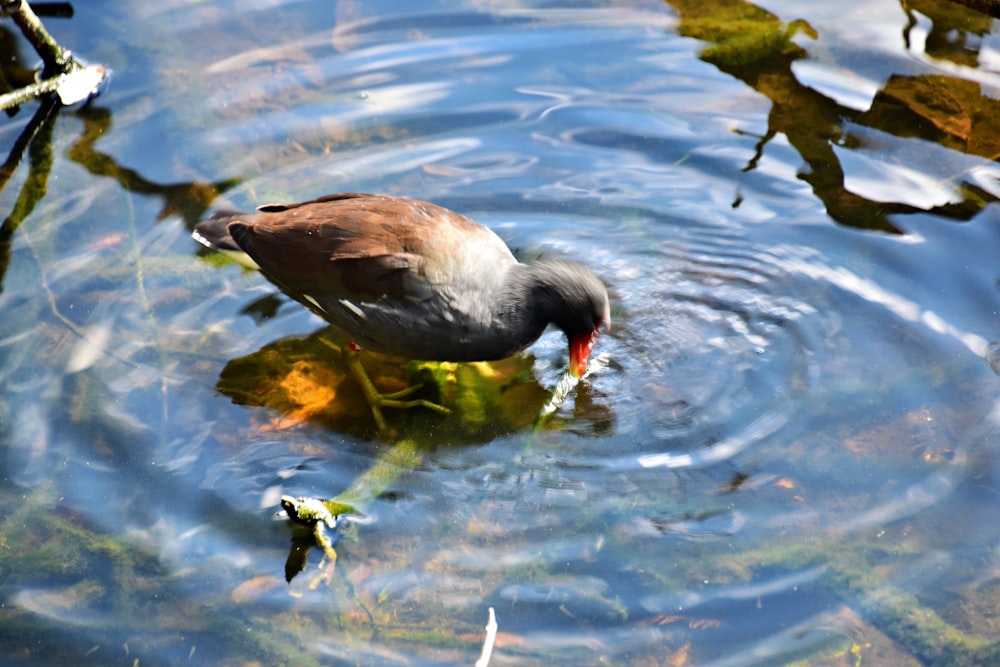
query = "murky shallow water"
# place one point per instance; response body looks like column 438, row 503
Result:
column 785, row 449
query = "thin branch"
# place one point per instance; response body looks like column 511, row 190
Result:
column 558, row 396
column 26, row 94
column 72, row 87
column 57, row 59
column 62, row 73
column 491, row 636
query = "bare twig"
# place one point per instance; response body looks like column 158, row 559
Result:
column 491, row 636
column 72, row 87
column 566, row 384
column 57, row 59
column 62, row 73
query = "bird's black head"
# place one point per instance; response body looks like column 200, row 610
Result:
column 576, row 301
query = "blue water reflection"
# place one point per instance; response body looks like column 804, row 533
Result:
column 786, row 440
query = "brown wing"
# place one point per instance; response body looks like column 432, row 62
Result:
column 352, row 246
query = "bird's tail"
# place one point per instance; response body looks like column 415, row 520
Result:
column 213, row 232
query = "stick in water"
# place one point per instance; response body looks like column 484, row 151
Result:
column 491, row 636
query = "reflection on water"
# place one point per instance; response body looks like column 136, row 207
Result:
column 783, row 451
column 763, row 51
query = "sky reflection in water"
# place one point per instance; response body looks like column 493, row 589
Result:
column 784, row 447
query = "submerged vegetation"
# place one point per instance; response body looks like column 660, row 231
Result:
column 158, row 405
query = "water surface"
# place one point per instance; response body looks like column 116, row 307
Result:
column 785, row 446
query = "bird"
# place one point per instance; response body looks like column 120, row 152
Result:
column 412, row 279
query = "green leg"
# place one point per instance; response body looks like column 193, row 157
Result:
column 376, row 400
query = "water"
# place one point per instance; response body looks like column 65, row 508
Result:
column 785, row 448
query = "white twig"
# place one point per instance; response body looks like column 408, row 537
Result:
column 566, row 384
column 491, row 636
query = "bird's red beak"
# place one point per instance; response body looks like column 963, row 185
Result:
column 579, row 347
column 579, row 353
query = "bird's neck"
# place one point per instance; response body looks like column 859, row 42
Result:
column 517, row 310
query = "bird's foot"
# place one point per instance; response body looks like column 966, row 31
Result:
column 377, row 400
column 392, row 400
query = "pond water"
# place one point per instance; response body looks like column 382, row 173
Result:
column 785, row 448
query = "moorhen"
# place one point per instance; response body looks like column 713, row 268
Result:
column 412, row 279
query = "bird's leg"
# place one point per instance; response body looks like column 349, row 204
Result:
column 376, row 400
